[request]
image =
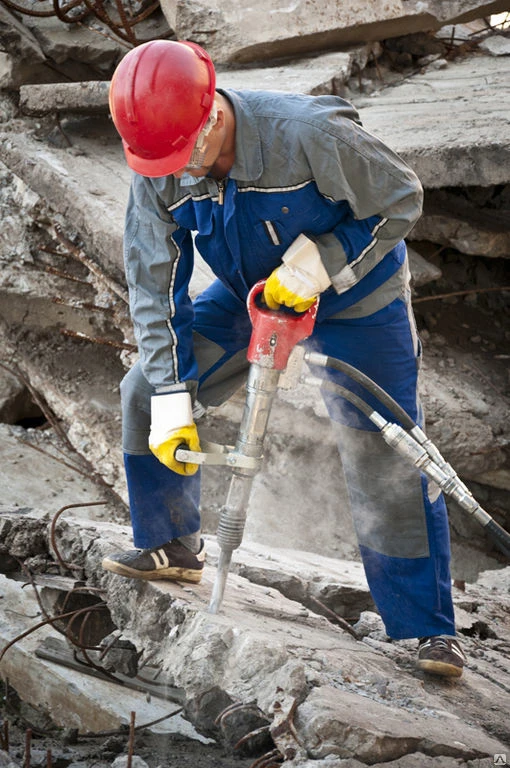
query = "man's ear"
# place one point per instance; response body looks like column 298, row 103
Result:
column 220, row 117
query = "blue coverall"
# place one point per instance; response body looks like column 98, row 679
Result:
column 302, row 165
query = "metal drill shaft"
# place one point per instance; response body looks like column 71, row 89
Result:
column 260, row 390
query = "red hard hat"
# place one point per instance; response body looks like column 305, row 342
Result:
column 161, row 95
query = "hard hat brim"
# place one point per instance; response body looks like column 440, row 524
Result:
column 155, row 168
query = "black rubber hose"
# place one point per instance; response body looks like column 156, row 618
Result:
column 354, row 399
column 316, row 358
column 498, row 535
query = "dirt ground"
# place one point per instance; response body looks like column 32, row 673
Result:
column 52, row 747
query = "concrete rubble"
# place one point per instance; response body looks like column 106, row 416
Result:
column 333, row 689
column 348, row 697
column 242, row 32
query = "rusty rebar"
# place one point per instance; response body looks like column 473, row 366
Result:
column 56, row 516
column 73, row 251
column 77, row 11
column 55, row 458
column 28, row 744
column 50, row 620
column 268, row 760
column 76, row 304
column 98, row 340
column 65, row 275
column 131, row 742
column 4, row 737
column 336, row 618
column 467, row 292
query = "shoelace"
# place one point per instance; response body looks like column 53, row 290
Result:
column 443, row 643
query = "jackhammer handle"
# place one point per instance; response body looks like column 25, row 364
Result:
column 276, row 332
column 294, row 317
column 499, row 536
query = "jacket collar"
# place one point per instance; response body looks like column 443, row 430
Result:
column 248, row 164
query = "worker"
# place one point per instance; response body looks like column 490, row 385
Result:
column 290, row 189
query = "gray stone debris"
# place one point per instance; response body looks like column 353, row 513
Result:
column 496, row 45
column 324, row 693
column 88, row 97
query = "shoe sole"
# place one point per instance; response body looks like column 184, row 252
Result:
column 171, row 574
column 440, row 668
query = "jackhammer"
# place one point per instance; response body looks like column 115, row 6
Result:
column 274, row 335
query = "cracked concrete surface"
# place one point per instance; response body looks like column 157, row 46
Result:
column 351, row 697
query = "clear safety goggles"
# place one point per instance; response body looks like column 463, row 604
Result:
column 200, row 149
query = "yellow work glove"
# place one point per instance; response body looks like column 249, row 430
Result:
column 278, row 291
column 172, row 426
column 299, row 280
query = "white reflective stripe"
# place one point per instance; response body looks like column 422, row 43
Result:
column 275, row 189
column 171, row 302
column 346, row 278
column 371, row 244
column 180, row 202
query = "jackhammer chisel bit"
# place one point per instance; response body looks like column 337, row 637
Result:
column 274, row 335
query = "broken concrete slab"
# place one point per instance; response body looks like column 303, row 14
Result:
column 350, row 698
column 332, row 719
column 47, row 50
column 23, row 56
column 315, row 75
column 462, row 234
column 75, row 51
column 86, row 97
column 463, row 413
column 235, row 33
column 450, row 125
column 323, row 585
column 472, row 220
column 91, row 195
column 232, row 33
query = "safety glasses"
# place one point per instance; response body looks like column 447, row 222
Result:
column 200, row 149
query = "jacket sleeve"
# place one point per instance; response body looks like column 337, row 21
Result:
column 158, row 259
column 384, row 195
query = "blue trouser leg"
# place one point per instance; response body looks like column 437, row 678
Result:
column 163, row 504
column 401, row 523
